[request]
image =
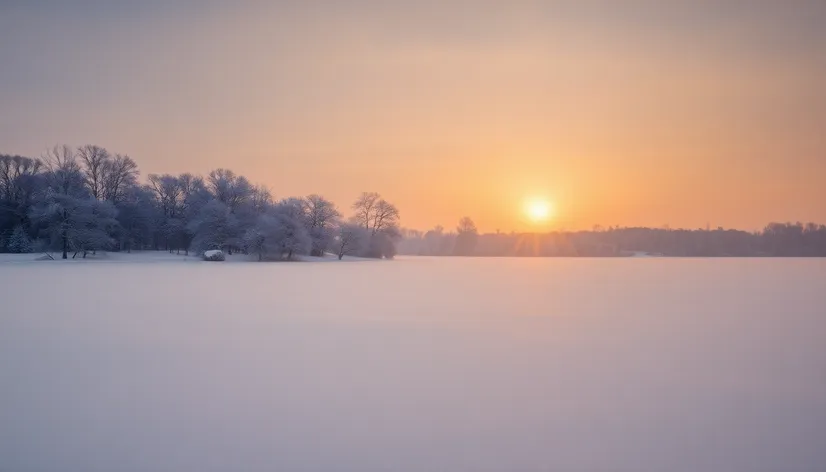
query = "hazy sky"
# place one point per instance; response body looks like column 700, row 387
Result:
column 632, row 113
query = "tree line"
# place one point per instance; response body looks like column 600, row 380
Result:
column 775, row 240
column 86, row 199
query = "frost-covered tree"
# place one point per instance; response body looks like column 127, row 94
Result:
column 230, row 189
column 69, row 216
column 60, row 200
column 261, row 200
column 92, row 226
column 256, row 240
column 215, row 227
column 279, row 233
column 350, row 240
column 321, row 217
column 293, row 206
column 21, row 180
column 19, row 241
column 194, row 196
column 77, row 224
column 263, row 239
column 292, row 231
column 106, row 176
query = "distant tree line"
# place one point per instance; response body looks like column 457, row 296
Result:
column 86, row 199
column 775, row 240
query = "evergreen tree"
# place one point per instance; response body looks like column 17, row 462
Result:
column 19, row 241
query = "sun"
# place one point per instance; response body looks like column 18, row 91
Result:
column 538, row 210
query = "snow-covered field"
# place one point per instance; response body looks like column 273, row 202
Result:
column 417, row 364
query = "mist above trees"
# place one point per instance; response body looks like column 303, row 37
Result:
column 775, row 240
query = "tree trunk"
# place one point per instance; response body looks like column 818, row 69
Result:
column 340, row 256
column 65, row 236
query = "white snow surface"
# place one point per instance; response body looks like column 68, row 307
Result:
column 417, row 364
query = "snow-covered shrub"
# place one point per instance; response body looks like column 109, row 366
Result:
column 215, row 255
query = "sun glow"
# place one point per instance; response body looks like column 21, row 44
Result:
column 538, row 210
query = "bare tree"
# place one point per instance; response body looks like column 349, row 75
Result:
column 168, row 191
column 385, row 216
column 363, row 208
column 119, row 174
column 374, row 213
column 466, row 225
column 380, row 219
column 95, row 160
column 350, row 240
column 321, row 217
column 63, row 171
column 13, row 171
column 466, row 238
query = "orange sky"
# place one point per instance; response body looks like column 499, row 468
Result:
column 651, row 114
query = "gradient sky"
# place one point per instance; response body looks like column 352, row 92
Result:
column 632, row 113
